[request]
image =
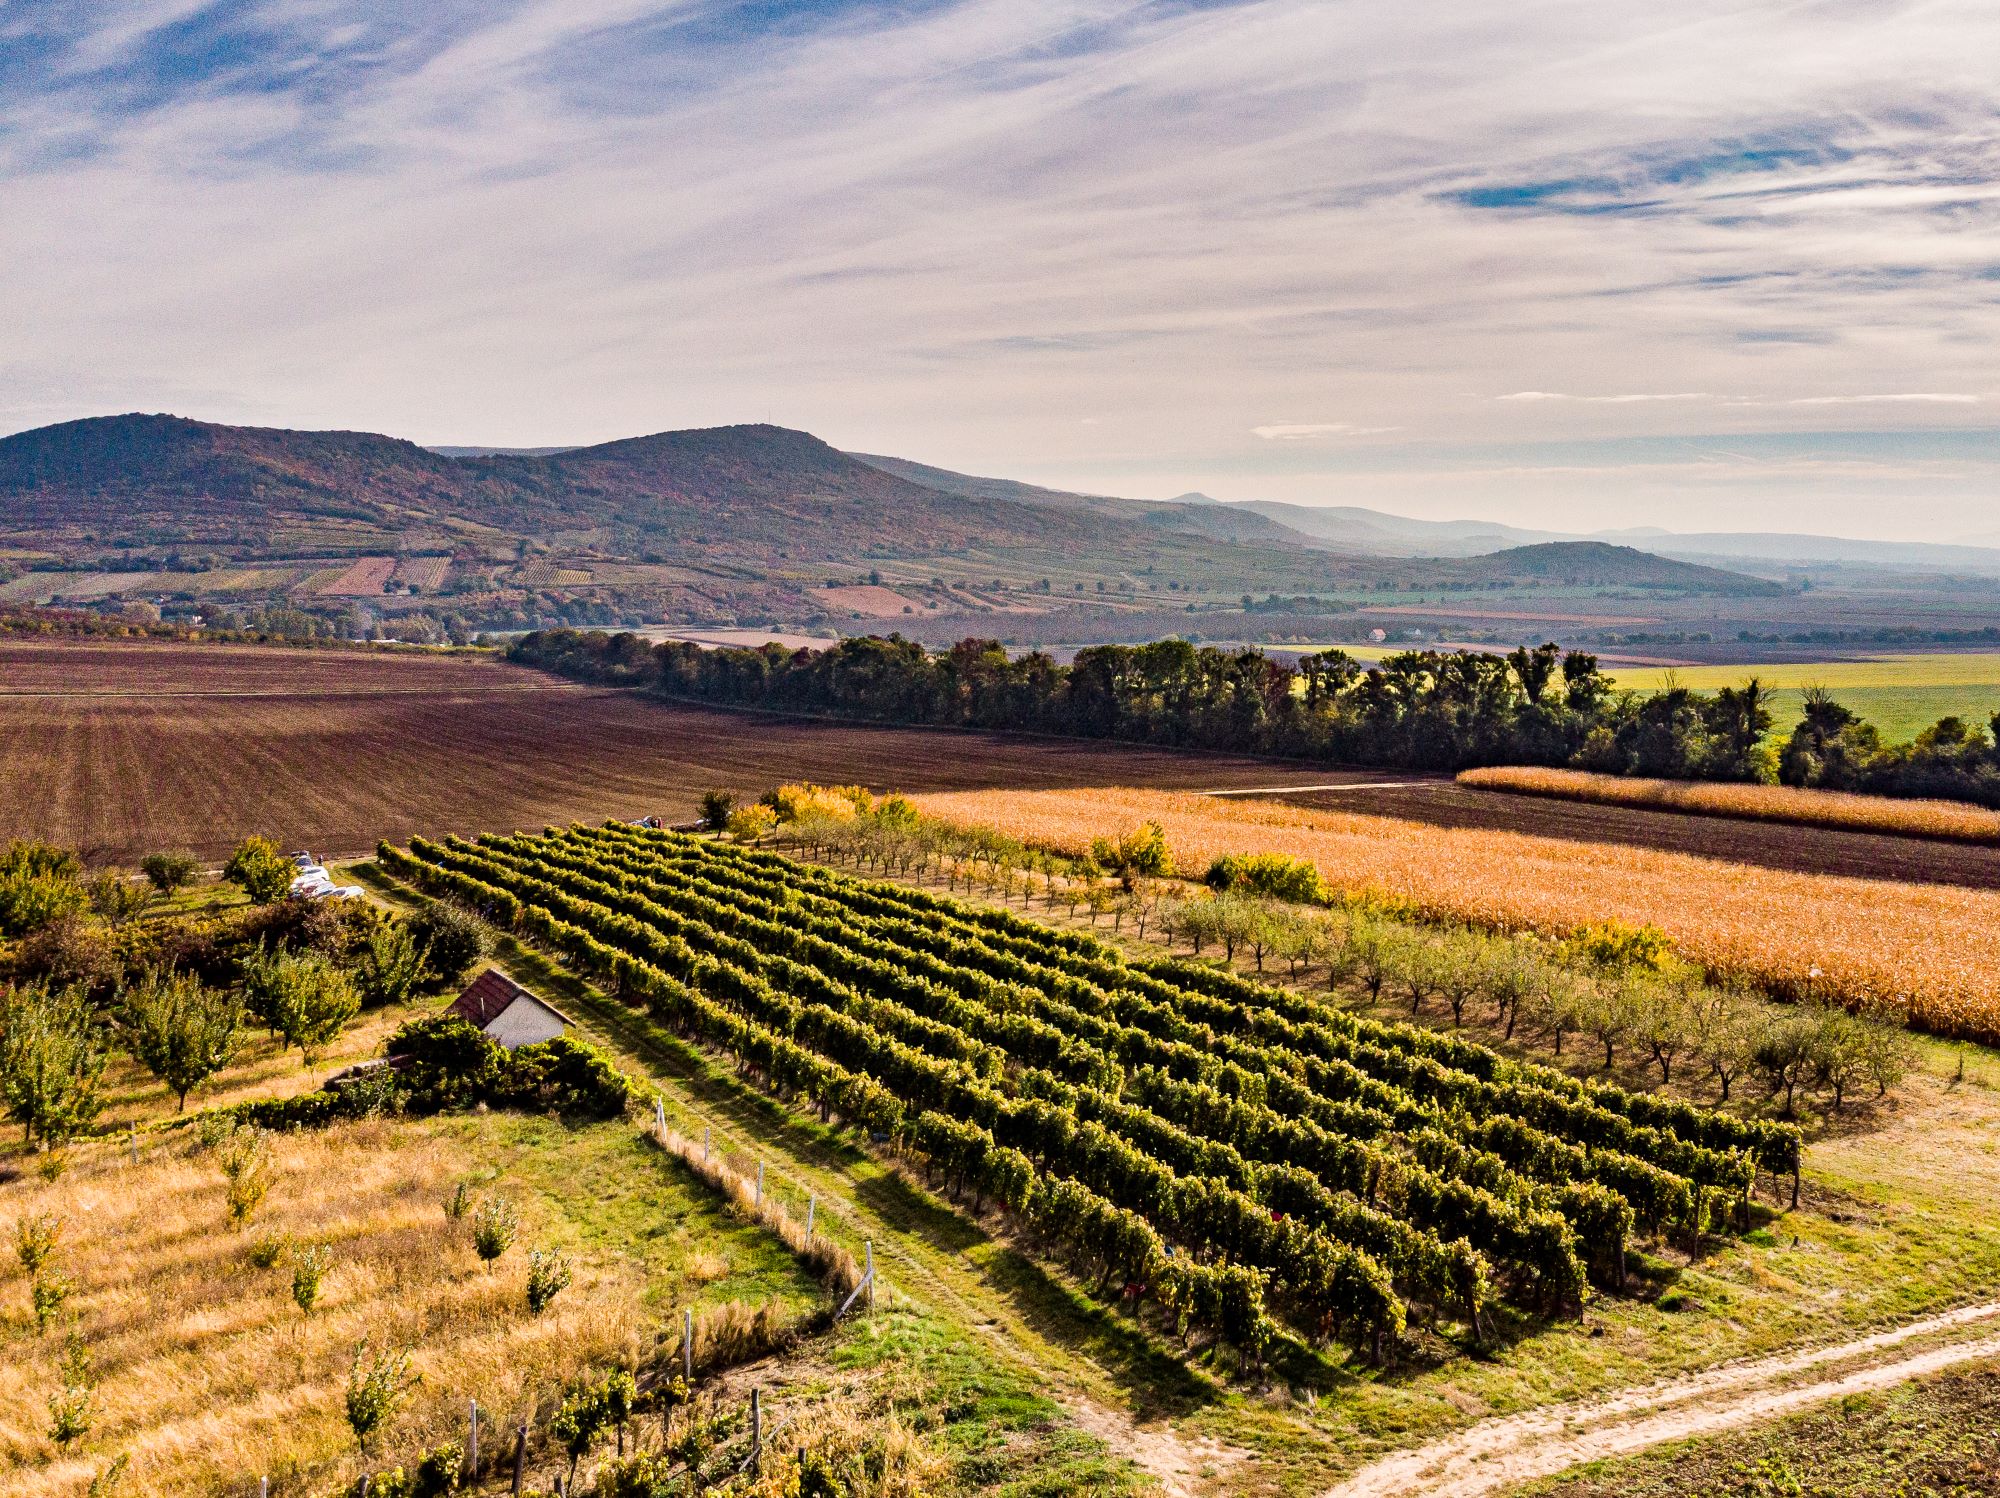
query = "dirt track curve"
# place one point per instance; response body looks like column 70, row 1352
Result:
column 1498, row 1454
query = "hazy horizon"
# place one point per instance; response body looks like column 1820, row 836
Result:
column 1573, row 268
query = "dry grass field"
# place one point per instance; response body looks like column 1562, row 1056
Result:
column 119, row 749
column 1932, row 949
column 1952, row 821
column 209, row 1374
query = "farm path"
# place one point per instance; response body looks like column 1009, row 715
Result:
column 1499, row 1454
column 1114, row 1384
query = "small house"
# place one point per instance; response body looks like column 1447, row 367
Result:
column 507, row 1013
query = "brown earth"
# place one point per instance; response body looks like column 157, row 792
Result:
column 123, row 748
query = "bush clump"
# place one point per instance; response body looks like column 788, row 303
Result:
column 1271, row 874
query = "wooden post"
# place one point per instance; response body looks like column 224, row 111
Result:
column 472, row 1446
column 868, row 1271
column 520, row 1456
column 812, row 1206
column 760, row 1185
column 704, row 1144
column 263, row 1487
column 687, row 1345
column 660, row 1115
column 756, row 1431
column 132, row 1139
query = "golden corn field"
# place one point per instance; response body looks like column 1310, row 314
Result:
column 1950, row 821
column 1933, row 950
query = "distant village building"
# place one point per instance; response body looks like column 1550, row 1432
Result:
column 507, row 1013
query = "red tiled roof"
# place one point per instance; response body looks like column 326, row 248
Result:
column 488, row 998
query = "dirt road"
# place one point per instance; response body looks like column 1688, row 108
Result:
column 1499, row 1454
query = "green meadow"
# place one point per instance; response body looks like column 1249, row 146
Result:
column 1901, row 694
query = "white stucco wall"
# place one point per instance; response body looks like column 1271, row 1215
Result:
column 524, row 1023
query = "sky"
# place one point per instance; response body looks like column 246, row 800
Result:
column 1708, row 265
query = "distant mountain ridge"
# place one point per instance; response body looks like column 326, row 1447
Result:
column 744, row 503
column 1356, row 531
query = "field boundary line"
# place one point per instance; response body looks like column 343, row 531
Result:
column 1350, row 785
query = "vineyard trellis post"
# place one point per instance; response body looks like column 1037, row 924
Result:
column 812, row 1207
column 756, row 1430
column 687, row 1344
column 472, row 1445
column 520, row 1456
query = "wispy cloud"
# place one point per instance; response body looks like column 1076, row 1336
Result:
column 944, row 227
column 1309, row 431
column 1604, row 400
column 1916, row 397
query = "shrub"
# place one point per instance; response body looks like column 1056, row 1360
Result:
column 374, row 1391
column 246, row 1166
column 458, row 1204
column 445, row 1062
column 260, row 870
column 495, row 1224
column 70, row 1415
column 35, row 1240
column 48, row 1295
column 309, row 1267
column 569, row 1078
column 1613, row 944
column 169, row 871
column 268, row 1250
column 548, row 1276
column 1271, row 874
column 1140, row 853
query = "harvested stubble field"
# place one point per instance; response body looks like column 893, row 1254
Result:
column 120, row 749
column 1951, row 821
column 1930, row 948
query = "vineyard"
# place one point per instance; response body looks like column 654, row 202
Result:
column 1241, row 1163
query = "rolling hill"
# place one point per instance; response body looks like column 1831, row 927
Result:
column 1598, row 564
column 759, row 524
column 745, row 492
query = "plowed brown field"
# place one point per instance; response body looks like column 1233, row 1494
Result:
column 123, row 748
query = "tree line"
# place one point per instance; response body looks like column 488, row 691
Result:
column 1419, row 709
